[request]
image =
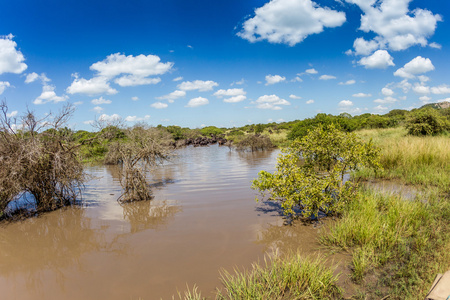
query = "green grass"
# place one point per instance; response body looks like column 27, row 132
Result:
column 290, row 277
column 423, row 161
column 406, row 242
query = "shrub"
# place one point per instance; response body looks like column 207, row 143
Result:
column 310, row 173
column 426, row 122
column 254, row 142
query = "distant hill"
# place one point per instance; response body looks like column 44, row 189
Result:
column 440, row 105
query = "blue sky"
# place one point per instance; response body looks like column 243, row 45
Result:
column 223, row 63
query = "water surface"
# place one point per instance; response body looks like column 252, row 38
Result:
column 203, row 218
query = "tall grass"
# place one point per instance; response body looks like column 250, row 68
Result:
column 407, row 241
column 415, row 160
column 290, row 277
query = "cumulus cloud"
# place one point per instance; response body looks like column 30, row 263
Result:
column 173, row 96
column 294, row 97
column 98, row 109
column 421, row 89
column 362, row 95
column 139, row 66
column 12, row 114
column 3, row 86
column 396, row 27
column 135, row 98
column 348, row 82
column 310, row 101
column 418, row 65
column 109, row 118
column 274, row 79
column 327, row 77
column 381, row 59
column 100, row 101
column 178, row 78
column 272, row 102
column 387, row 91
column 93, row 86
column 199, row 101
column 133, row 80
column 48, row 95
column 235, row 95
column 11, row 59
column 439, row 90
column 199, row 85
column 345, row 104
column 289, row 21
column 136, row 119
column 435, row 45
column 159, row 105
column 240, row 82
column 425, row 99
column 380, row 109
column 311, row 71
column 387, row 99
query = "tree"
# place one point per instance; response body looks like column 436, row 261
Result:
column 310, row 172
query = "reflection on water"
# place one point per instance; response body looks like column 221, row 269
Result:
column 203, row 217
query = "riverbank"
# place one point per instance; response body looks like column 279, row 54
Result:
column 397, row 244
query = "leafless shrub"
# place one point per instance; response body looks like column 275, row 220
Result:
column 140, row 150
column 39, row 163
column 254, row 142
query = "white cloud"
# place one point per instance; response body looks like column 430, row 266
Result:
column 310, row 101
column 362, row 95
column 442, row 89
column 178, row 78
column 240, row 82
column 133, row 80
column 236, row 95
column 404, row 85
column 311, row 71
column 173, row 96
column 235, row 99
column 109, row 118
column 94, row 86
column 78, row 103
column 425, row 99
column 289, row 21
column 89, row 122
column 100, row 101
column 380, row 108
column 49, row 95
column 345, row 104
column 363, row 47
column 387, row 91
column 200, row 85
column 327, row 77
column 271, row 102
column 444, row 100
column 381, row 59
column 31, row 77
column 199, row 101
column 135, row 98
column 348, row 82
column 12, row 114
column 416, row 66
column 3, row 86
column 435, row 45
column 274, row 79
column 297, row 79
column 386, row 100
column 421, row 89
column 423, row 78
column 294, row 97
column 98, row 109
column 395, row 26
column 139, row 66
column 11, row 59
column 159, row 105
column 136, row 119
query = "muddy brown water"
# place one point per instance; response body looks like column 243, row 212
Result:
column 203, row 218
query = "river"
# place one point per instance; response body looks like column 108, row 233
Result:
column 203, row 218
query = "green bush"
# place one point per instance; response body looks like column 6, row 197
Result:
column 426, row 122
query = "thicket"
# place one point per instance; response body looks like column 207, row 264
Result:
column 38, row 160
